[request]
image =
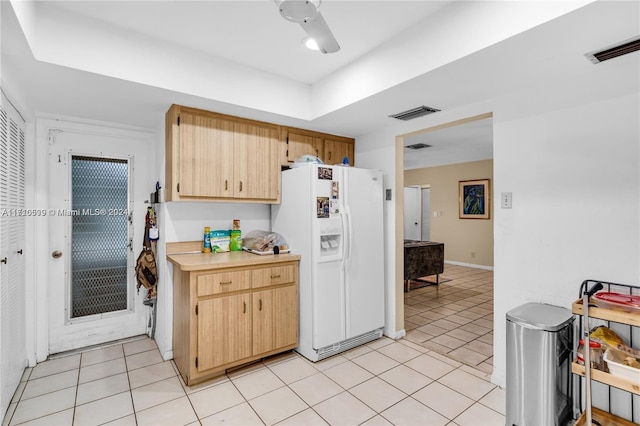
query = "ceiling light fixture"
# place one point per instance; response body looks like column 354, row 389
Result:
column 310, row 43
column 307, row 14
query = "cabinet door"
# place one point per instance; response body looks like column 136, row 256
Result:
column 335, row 151
column 275, row 319
column 256, row 165
column 224, row 330
column 299, row 145
column 205, row 156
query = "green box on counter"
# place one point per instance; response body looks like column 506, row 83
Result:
column 220, row 240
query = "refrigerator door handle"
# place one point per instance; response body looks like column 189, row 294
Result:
column 347, row 234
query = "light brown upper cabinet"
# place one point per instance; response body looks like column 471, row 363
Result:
column 299, row 144
column 331, row 149
column 217, row 157
column 336, row 150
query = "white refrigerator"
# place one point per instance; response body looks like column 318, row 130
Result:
column 333, row 217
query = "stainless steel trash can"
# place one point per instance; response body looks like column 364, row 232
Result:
column 539, row 340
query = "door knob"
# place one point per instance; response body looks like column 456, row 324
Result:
column 56, row 254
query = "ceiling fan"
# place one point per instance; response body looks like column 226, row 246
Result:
column 306, row 13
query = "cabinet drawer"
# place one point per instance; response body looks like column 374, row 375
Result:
column 225, row 282
column 273, row 276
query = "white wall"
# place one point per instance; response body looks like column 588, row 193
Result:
column 185, row 221
column 572, row 164
column 574, row 175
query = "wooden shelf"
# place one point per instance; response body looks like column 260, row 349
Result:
column 631, row 318
column 614, row 315
column 608, row 379
column 604, row 418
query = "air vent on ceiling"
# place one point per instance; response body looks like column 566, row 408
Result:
column 418, row 146
column 414, row 113
column 627, row 46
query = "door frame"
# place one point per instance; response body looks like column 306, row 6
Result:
column 45, row 129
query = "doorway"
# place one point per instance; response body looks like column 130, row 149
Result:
column 412, row 213
column 417, row 213
column 97, row 181
column 454, row 318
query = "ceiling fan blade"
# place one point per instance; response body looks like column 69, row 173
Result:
column 318, row 29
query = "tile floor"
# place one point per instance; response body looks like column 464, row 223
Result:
column 385, row 382
column 456, row 317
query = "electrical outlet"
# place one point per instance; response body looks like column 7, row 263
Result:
column 506, row 200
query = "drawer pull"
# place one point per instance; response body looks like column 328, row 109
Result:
column 226, row 283
column 275, row 276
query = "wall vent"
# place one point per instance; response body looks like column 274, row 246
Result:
column 418, row 146
column 627, row 46
column 414, row 113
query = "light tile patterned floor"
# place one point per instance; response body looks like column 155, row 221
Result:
column 456, row 317
column 384, row 382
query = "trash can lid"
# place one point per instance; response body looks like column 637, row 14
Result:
column 540, row 316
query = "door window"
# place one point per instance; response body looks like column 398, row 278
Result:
column 99, row 235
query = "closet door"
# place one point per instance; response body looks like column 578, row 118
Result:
column 12, row 266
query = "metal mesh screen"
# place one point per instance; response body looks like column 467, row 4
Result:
column 99, row 235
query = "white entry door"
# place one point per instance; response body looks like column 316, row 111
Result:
column 97, row 187
column 412, row 213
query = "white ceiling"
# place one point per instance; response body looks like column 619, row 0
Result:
column 253, row 33
column 128, row 61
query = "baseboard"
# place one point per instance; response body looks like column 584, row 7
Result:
column 469, row 265
column 167, row 355
column 395, row 335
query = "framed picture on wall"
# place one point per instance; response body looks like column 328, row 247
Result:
column 474, row 199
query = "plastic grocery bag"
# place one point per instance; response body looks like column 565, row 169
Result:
column 264, row 241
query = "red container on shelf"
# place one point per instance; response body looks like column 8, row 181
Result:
column 617, row 301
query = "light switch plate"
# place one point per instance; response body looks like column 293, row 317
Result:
column 506, row 199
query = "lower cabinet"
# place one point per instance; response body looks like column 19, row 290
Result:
column 234, row 315
column 273, row 311
column 224, row 331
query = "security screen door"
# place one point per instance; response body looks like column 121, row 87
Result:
column 99, row 238
column 96, row 187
